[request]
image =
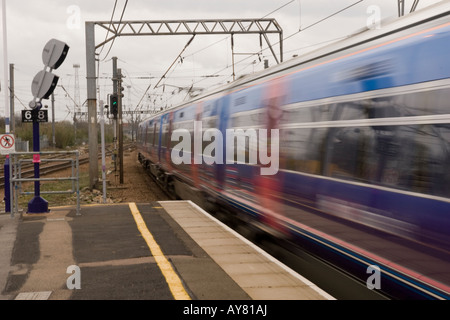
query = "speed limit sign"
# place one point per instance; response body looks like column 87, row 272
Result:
column 34, row 115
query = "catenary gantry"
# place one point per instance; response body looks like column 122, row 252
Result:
column 115, row 29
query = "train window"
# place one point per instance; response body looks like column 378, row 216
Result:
column 349, row 153
column 163, row 135
column 361, row 109
column 350, row 111
column 155, row 133
column 210, row 122
column 408, row 157
column 298, row 115
column 187, row 125
column 379, row 155
column 149, row 133
column 424, row 103
column 302, row 114
column 401, row 105
column 430, row 156
column 248, row 119
column 302, row 149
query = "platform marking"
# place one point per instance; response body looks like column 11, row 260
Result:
column 175, row 285
column 41, row 295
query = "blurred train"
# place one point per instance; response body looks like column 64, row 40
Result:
column 363, row 136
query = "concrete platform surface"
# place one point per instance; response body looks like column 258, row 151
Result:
column 165, row 250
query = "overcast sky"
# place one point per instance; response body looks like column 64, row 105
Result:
column 143, row 60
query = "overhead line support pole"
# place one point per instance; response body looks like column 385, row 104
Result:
column 414, row 6
column 12, row 122
column 115, row 80
column 92, row 104
column 7, row 111
column 119, row 74
column 401, row 8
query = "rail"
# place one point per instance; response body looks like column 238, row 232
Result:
column 16, row 175
column 54, row 167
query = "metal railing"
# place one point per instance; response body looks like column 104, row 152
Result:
column 16, row 178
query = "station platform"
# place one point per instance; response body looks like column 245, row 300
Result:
column 167, row 250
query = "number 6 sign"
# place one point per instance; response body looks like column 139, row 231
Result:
column 34, row 115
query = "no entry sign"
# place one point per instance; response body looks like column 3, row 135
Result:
column 7, row 144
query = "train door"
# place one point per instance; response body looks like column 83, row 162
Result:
column 269, row 188
column 167, row 139
column 159, row 136
column 153, row 139
column 198, row 132
column 223, row 110
column 143, row 136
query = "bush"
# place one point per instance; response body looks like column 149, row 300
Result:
column 67, row 135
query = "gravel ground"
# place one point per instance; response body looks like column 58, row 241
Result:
column 137, row 187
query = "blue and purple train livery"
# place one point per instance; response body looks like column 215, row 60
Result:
column 364, row 150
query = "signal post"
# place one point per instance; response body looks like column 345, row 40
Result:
column 43, row 85
column 116, row 110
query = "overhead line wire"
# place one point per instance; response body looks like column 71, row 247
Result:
column 286, row 38
column 110, row 23
column 120, row 21
column 164, row 75
column 290, row 36
column 212, row 44
column 284, row 5
column 279, row 8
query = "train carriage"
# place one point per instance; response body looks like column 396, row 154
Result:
column 363, row 132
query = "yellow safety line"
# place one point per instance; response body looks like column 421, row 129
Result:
column 172, row 279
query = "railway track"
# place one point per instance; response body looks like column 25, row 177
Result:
column 28, row 168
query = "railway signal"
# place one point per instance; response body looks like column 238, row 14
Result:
column 43, row 85
column 114, row 103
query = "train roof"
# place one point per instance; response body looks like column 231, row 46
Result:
column 362, row 36
column 365, row 35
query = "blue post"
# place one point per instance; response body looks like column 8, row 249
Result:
column 7, row 186
column 37, row 204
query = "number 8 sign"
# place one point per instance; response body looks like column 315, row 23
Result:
column 35, row 115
